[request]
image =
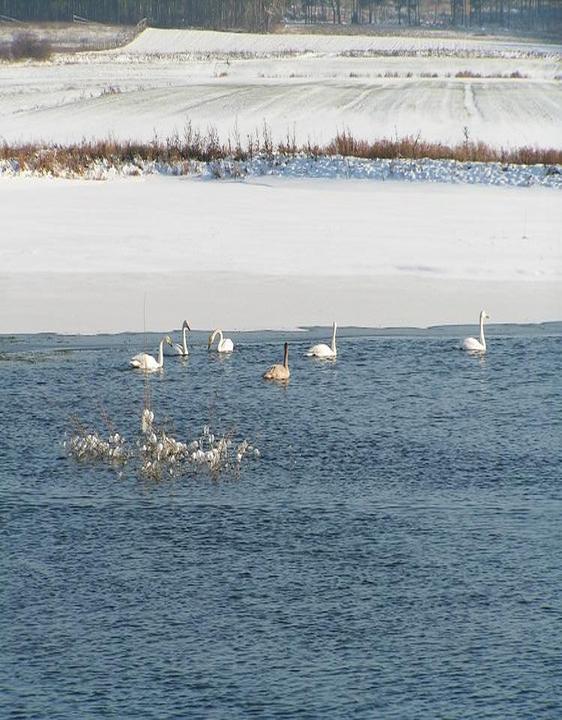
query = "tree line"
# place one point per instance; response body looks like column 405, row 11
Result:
column 263, row 15
column 515, row 14
column 219, row 14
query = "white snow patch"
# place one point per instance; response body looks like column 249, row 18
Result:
column 274, row 252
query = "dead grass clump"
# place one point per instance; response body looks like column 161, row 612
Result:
column 467, row 74
column 531, row 156
column 515, row 75
column 288, row 146
column 26, row 45
column 413, row 148
column 111, row 90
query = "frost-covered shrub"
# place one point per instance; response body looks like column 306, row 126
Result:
column 157, row 454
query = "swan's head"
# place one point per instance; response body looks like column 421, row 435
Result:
column 168, row 339
column 186, row 325
column 210, row 340
column 335, row 325
column 484, row 315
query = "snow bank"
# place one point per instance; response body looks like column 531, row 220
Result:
column 436, row 171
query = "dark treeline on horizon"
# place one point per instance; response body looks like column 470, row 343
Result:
column 249, row 14
column 514, row 14
column 263, row 15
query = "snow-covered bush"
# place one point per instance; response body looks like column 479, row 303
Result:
column 157, row 454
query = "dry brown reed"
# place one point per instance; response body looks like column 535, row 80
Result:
column 196, row 146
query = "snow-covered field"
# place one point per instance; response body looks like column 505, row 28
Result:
column 307, row 86
column 154, row 41
column 273, row 252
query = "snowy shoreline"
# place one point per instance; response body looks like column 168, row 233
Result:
column 304, row 333
column 112, row 303
column 302, row 166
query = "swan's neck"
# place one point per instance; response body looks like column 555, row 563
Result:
column 482, row 338
column 334, row 339
column 286, row 358
column 161, row 353
column 220, row 336
column 185, row 341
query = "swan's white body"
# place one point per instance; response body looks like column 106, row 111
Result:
column 148, row 363
column 472, row 344
column 182, row 350
column 225, row 344
column 279, row 372
column 325, row 351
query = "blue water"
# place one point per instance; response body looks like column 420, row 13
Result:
column 395, row 553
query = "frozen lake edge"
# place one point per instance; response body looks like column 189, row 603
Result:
column 274, row 253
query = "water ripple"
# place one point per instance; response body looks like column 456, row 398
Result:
column 394, row 554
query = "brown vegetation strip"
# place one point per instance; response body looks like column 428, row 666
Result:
column 26, row 46
column 196, row 146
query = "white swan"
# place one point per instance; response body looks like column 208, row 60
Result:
column 325, row 351
column 148, row 363
column 474, row 345
column 225, row 344
column 279, row 372
column 182, row 349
